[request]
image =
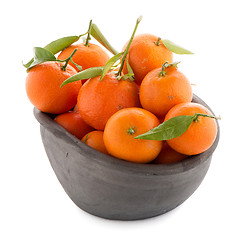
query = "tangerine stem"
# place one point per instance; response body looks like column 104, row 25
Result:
column 158, row 41
column 163, row 73
column 128, row 46
column 131, row 130
column 166, row 65
column 88, row 32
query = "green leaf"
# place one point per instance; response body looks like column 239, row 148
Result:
column 57, row 46
column 169, row 129
column 110, row 63
column 127, row 76
column 28, row 64
column 130, row 71
column 85, row 74
column 85, row 140
column 175, row 48
column 78, row 66
column 41, row 55
column 96, row 33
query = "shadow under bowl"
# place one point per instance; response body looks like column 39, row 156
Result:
column 116, row 189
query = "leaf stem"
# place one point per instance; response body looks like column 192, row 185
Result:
column 88, row 34
column 128, row 46
column 197, row 115
column 67, row 60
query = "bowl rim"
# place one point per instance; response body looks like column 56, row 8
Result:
column 189, row 163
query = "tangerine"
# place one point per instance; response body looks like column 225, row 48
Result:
column 43, row 87
column 146, row 53
column 199, row 136
column 94, row 139
column 88, row 56
column 121, row 129
column 162, row 88
column 99, row 100
column 73, row 123
column 168, row 155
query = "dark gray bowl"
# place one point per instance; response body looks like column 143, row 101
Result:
column 116, row 189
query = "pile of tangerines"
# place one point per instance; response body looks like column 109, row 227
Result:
column 136, row 106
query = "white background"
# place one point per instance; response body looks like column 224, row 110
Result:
column 33, row 204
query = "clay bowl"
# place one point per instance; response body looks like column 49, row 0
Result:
column 116, row 189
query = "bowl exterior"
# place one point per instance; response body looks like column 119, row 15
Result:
column 115, row 189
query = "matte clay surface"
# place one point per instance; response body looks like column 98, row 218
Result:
column 116, row 189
